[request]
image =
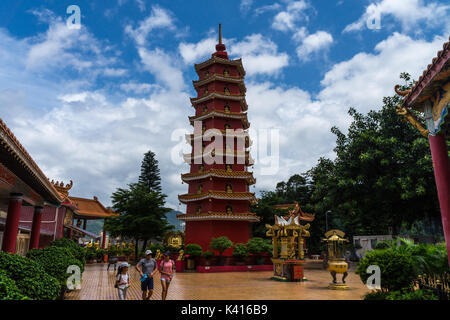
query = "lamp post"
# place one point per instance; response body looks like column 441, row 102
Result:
column 326, row 219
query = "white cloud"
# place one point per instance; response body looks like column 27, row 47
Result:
column 408, row 12
column 138, row 88
column 158, row 18
column 193, row 52
column 259, row 54
column 314, row 43
column 245, row 5
column 286, row 20
column 115, row 72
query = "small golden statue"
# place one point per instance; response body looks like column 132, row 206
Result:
column 181, row 255
column 158, row 255
column 336, row 262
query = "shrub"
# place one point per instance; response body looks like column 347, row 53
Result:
column 421, row 294
column 77, row 251
column 208, row 254
column 221, row 244
column 193, row 250
column 29, row 277
column 91, row 253
column 397, row 268
column 8, row 289
column 112, row 251
column 55, row 261
column 258, row 246
column 376, row 295
column 128, row 251
column 240, row 250
column 156, row 246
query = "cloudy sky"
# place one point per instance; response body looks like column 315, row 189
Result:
column 87, row 103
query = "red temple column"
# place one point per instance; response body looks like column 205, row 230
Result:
column 441, row 167
column 36, row 228
column 70, row 233
column 12, row 223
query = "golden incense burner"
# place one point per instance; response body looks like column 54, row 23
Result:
column 336, row 263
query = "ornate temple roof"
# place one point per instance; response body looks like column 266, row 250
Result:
column 216, row 95
column 189, row 197
column 437, row 71
column 219, row 174
column 22, row 160
column 210, row 133
column 246, row 216
column 295, row 210
column 91, row 208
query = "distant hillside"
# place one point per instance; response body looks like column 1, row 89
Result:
column 96, row 226
column 172, row 219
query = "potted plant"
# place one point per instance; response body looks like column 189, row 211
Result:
column 221, row 244
column 258, row 246
column 208, row 255
column 192, row 250
column 100, row 253
column 240, row 252
column 127, row 252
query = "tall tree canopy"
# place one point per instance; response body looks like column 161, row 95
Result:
column 150, row 175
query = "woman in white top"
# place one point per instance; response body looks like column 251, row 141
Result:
column 122, row 283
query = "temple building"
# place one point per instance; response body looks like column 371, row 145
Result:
column 34, row 210
column 430, row 97
column 218, row 199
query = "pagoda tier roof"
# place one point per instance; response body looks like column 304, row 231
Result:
column 210, row 133
column 219, row 77
column 91, row 208
column 216, row 95
column 221, row 195
column 245, row 216
column 237, row 63
column 222, row 114
column 219, row 173
column 188, row 157
column 437, row 72
column 16, row 158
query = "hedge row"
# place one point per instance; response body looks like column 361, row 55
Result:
column 42, row 274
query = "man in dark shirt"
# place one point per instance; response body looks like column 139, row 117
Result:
column 147, row 269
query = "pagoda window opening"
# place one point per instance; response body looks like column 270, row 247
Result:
column 226, row 108
column 200, row 189
column 203, row 128
column 199, row 210
column 229, row 188
column 227, row 126
column 229, row 168
column 229, row 209
column 227, row 91
column 205, row 92
column 226, row 73
column 205, row 109
column 200, row 168
column 206, row 74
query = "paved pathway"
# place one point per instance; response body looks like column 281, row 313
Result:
column 98, row 284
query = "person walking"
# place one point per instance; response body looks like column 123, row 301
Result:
column 122, row 280
column 147, row 268
column 167, row 270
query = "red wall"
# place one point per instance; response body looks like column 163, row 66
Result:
column 201, row 232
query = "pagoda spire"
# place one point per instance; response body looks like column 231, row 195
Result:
column 220, row 47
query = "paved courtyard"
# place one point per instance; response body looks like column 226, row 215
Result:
column 98, row 284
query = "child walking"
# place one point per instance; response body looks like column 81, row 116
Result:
column 122, row 280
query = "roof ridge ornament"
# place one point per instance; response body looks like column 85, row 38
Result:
column 220, row 47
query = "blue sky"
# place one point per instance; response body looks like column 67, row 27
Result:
column 87, row 103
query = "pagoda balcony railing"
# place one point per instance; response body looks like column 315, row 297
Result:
column 218, row 173
column 189, row 157
column 221, row 195
column 208, row 134
column 218, row 113
column 220, row 77
column 214, row 95
column 244, row 216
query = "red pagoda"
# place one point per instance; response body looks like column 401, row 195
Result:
column 218, row 198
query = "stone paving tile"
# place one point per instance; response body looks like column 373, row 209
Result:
column 98, row 284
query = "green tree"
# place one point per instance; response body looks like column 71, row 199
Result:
column 150, row 175
column 142, row 214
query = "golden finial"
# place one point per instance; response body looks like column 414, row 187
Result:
column 220, row 33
